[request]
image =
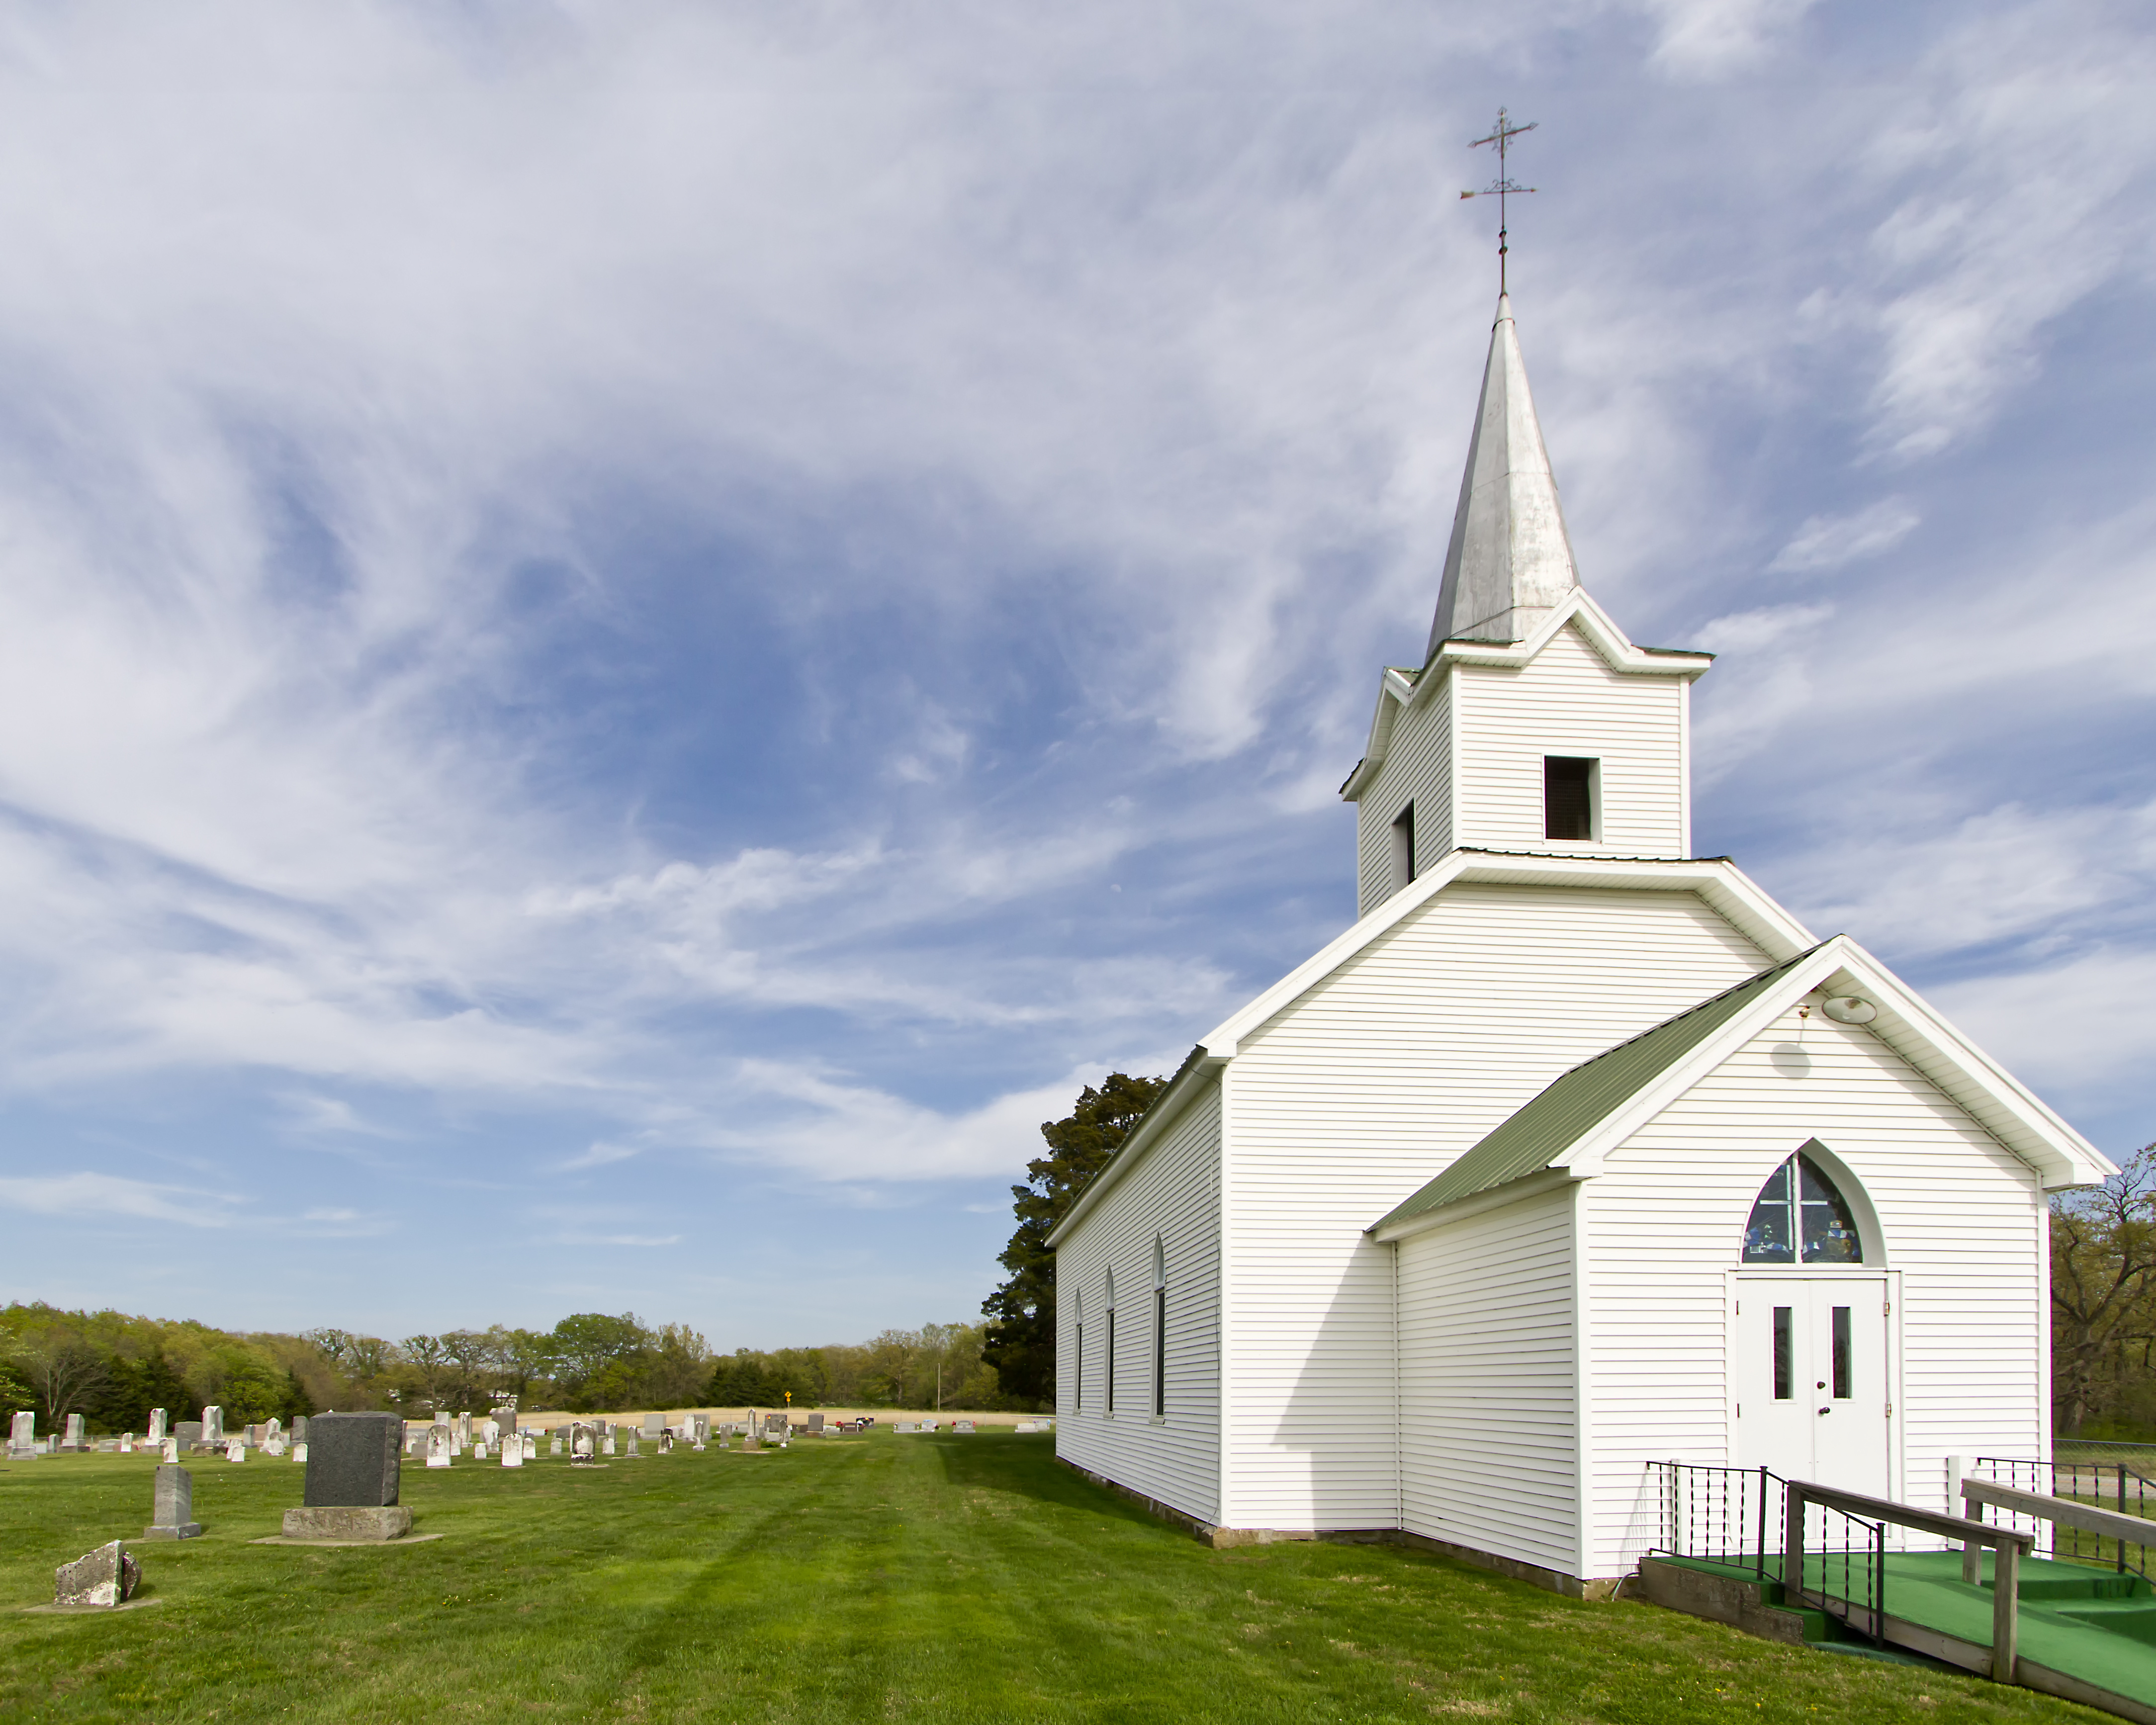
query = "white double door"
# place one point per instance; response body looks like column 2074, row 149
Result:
column 1810, row 1364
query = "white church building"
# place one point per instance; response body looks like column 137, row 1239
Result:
column 1577, row 1154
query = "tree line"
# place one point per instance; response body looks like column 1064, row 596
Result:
column 2103, row 1306
column 113, row 1369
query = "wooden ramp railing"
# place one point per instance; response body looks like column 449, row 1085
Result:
column 2009, row 1544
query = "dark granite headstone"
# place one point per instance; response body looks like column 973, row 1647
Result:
column 189, row 1433
column 352, row 1460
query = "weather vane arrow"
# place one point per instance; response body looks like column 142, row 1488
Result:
column 1502, row 135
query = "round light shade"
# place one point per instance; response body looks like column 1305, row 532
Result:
column 1848, row 1009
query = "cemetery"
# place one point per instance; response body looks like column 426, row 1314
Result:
column 939, row 1573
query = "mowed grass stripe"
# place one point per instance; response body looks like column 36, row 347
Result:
column 943, row 1578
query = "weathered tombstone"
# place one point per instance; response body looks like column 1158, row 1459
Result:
column 437, row 1446
column 235, row 1450
column 188, row 1433
column 173, row 1506
column 127, row 1443
column 272, row 1428
column 512, row 1452
column 654, row 1424
column 299, row 1452
column 74, row 1439
column 107, row 1576
column 504, row 1419
column 299, row 1428
column 815, row 1422
column 582, row 1447
column 22, row 1437
column 463, row 1430
column 253, row 1436
column 666, row 1443
column 156, row 1434
column 528, row 1442
column 490, row 1431
column 963, row 1425
column 554, row 1447
column 633, row 1434
column 750, row 1443
column 212, row 1426
column 606, row 1444
column 353, row 1479
column 172, row 1449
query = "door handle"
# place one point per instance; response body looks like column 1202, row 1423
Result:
column 1826, row 1411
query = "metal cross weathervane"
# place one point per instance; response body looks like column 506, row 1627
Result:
column 1502, row 136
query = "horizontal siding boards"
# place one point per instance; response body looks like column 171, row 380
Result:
column 1418, row 769
column 1366, row 1086
column 1489, row 1424
column 1665, row 1221
column 1568, row 701
column 1173, row 1192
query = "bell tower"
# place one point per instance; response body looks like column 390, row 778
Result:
column 1534, row 723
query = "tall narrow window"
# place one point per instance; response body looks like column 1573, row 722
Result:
column 1159, row 1329
column 1108, row 1361
column 1078, row 1371
column 1842, row 1366
column 1785, row 1352
column 1403, row 857
column 1568, row 796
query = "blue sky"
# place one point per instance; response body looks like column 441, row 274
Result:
column 632, row 637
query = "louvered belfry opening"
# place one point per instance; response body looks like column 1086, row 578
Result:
column 1568, row 797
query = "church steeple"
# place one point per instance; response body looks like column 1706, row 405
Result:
column 1509, row 562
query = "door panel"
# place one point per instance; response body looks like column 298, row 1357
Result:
column 1810, row 1376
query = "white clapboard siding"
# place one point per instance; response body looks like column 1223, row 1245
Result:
column 1663, row 1223
column 1568, row 701
column 1367, row 1085
column 1418, row 769
column 1489, row 1414
column 1173, row 1195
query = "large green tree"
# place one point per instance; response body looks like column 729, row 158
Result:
column 1021, row 1338
column 2103, row 1301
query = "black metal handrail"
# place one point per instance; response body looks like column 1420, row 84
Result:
column 1720, row 1515
column 2101, row 1484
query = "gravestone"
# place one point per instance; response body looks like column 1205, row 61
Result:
column 512, row 1452
column 107, row 1576
column 437, row 1446
column 273, row 1428
column 353, row 1479
column 74, row 1440
column 666, row 1443
column 463, row 1430
column 815, row 1422
column 554, row 1447
column 173, row 1506
column 188, row 1433
column 253, row 1436
column 300, row 1429
column 963, row 1425
column 22, row 1437
column 582, row 1448
column 490, row 1431
column 156, row 1434
column 299, row 1452
column 235, row 1450
column 504, row 1419
column 172, row 1449
column 528, row 1442
column 127, row 1443
column 606, row 1444
column 654, row 1424
column 212, row 1427
column 633, row 1434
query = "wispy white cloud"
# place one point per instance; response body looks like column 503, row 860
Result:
column 112, row 1198
column 1829, row 542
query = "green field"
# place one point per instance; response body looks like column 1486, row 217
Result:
column 943, row 1578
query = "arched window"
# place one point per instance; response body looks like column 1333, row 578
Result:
column 1078, row 1370
column 1108, row 1396
column 1800, row 1218
column 1159, row 1327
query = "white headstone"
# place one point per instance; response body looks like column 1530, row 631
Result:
column 606, row 1444
column 156, row 1434
column 74, row 1439
column 172, row 1449
column 299, row 1452
column 235, row 1450
column 555, row 1447
column 512, row 1454
column 437, row 1446
column 213, row 1426
column 22, row 1437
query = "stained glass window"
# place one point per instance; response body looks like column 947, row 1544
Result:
column 1800, row 1218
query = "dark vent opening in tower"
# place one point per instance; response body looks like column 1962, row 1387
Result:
column 1568, row 797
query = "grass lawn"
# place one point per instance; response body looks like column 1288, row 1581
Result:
column 936, row 1578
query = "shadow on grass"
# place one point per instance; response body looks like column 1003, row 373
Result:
column 1027, row 1467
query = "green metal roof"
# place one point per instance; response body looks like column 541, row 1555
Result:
column 1573, row 1106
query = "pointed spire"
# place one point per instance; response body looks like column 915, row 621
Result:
column 1509, row 561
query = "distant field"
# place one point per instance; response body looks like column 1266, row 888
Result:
column 944, row 1578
